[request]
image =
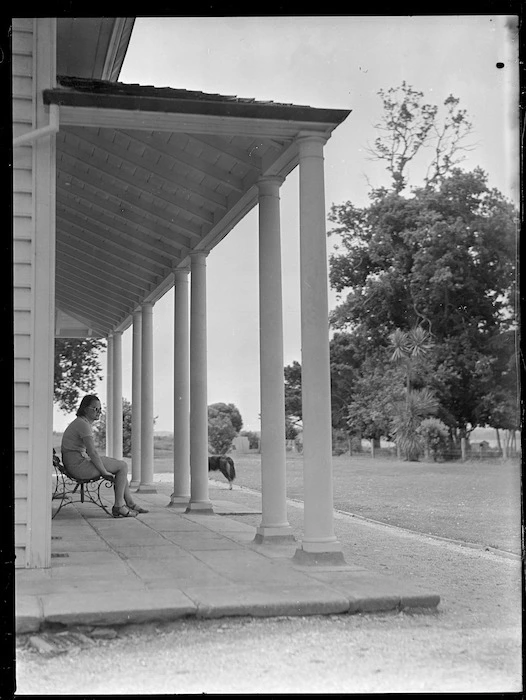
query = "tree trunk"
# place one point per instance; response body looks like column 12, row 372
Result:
column 463, row 448
column 498, row 439
column 506, row 444
column 372, row 449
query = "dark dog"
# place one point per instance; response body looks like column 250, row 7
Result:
column 224, row 464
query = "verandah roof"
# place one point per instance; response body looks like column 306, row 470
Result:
column 147, row 175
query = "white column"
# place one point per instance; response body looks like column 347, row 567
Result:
column 199, row 500
column 109, row 397
column 181, row 492
column 274, row 525
column 136, row 399
column 146, row 485
column 319, row 541
column 117, row 395
column 35, row 485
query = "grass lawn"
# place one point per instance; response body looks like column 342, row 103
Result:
column 474, row 501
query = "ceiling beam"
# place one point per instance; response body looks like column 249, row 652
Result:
column 98, row 294
column 77, row 311
column 109, row 264
column 131, row 239
column 91, row 307
column 150, row 167
column 107, row 170
column 178, row 154
column 106, row 244
column 221, row 145
column 112, row 281
column 160, row 228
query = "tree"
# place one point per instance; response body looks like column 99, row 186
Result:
column 434, row 434
column 408, row 125
column 228, row 409
column 221, row 433
column 224, row 423
column 408, row 415
column 293, row 402
column 409, row 349
column 99, row 428
column 77, row 370
column 443, row 259
column 369, row 412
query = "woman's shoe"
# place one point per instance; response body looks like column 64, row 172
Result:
column 138, row 509
column 123, row 512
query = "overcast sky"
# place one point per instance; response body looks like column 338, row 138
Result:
column 333, row 62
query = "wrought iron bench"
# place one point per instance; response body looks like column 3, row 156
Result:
column 70, row 489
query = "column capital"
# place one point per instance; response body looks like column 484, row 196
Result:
column 270, row 184
column 181, row 274
column 198, row 256
column 312, row 136
column 311, row 143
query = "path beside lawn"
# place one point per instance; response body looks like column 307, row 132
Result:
column 475, row 501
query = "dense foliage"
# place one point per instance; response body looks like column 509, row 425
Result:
column 77, row 370
column 224, row 424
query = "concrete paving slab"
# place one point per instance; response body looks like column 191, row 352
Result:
column 241, row 568
column 116, row 568
column 225, row 507
column 168, row 563
column 93, row 544
column 170, row 522
column 146, row 537
column 117, row 607
column 170, row 568
column 266, row 601
column 86, row 558
column 186, row 579
column 149, row 552
column 65, row 585
column 220, row 523
column 370, row 592
column 199, row 542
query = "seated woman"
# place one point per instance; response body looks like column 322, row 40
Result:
column 81, row 459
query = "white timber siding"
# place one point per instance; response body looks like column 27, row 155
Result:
column 33, row 67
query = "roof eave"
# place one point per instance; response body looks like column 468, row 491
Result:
column 71, row 98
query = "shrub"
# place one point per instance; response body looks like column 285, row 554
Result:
column 435, row 436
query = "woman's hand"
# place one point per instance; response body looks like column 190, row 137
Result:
column 108, row 475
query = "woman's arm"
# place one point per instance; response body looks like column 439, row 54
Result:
column 94, row 455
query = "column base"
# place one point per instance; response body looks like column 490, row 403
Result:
column 179, row 501
column 266, row 534
column 134, row 484
column 146, row 488
column 306, row 558
column 200, row 507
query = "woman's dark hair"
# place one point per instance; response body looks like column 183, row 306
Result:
column 86, row 403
